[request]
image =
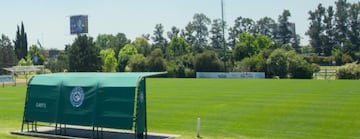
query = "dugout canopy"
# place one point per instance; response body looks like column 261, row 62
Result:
column 109, row 100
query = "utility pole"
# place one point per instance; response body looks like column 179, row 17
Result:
column 223, row 33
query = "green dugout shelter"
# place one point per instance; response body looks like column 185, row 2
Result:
column 98, row 100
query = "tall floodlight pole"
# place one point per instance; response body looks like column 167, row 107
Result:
column 223, row 34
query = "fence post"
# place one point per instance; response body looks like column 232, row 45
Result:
column 325, row 74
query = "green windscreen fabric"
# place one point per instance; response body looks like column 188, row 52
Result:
column 79, row 113
column 141, row 107
column 115, row 110
column 41, row 105
column 87, row 99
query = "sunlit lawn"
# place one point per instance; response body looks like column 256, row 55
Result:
column 232, row 108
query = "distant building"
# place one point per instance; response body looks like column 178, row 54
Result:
column 53, row 53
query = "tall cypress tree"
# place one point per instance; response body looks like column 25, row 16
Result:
column 21, row 42
column 24, row 42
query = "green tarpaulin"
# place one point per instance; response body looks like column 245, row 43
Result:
column 111, row 100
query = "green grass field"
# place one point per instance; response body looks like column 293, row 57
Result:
column 231, row 108
column 11, row 109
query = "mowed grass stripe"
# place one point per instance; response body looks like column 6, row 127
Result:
column 311, row 117
column 263, row 103
column 343, row 113
column 254, row 108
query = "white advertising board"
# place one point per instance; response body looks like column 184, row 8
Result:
column 251, row 75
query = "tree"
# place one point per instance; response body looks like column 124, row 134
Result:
column 316, row 29
column 62, row 61
column 142, row 46
column 245, row 47
column 265, row 26
column 354, row 24
column 137, row 63
column 36, row 55
column 158, row 38
column 52, row 65
column 207, row 61
column 277, row 63
column 251, row 64
column 284, row 34
column 188, row 34
column 294, row 61
column 27, row 62
column 199, row 24
column 58, row 64
column 108, row 59
column 216, row 37
column 174, row 32
column 263, row 42
column 284, row 63
column 349, row 71
column 341, row 20
column 156, row 62
column 20, row 42
column 304, row 71
column 178, row 46
column 146, row 36
column 118, row 42
column 295, row 43
column 7, row 54
column 103, row 41
column 244, row 25
column 329, row 40
column 335, row 29
column 248, row 45
column 183, row 66
column 241, row 25
column 33, row 50
column 83, row 55
column 124, row 55
column 232, row 38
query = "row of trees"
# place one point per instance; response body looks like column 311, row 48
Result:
column 263, row 55
column 254, row 46
column 335, row 29
column 9, row 54
column 266, row 45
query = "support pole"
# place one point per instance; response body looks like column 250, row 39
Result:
column 223, row 34
column 198, row 128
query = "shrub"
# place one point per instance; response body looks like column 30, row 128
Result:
column 304, row 71
column 284, row 63
column 137, row 63
column 278, row 63
column 207, row 62
column 180, row 71
column 170, row 68
column 155, row 61
column 349, row 71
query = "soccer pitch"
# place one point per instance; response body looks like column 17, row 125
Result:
column 233, row 108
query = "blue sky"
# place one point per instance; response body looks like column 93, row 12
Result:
column 48, row 20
